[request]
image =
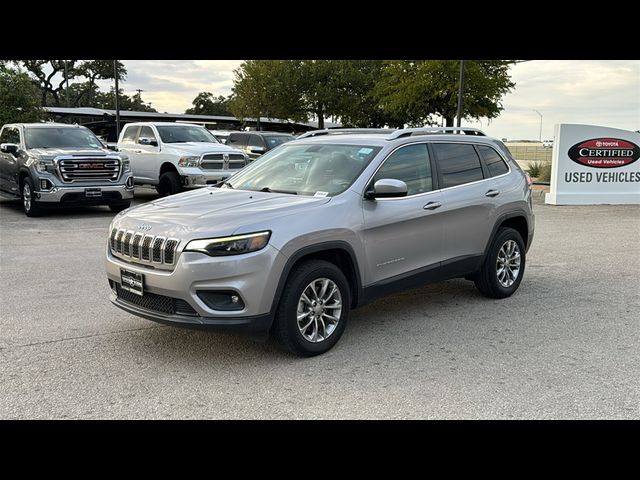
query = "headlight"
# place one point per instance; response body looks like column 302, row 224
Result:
column 189, row 161
column 235, row 245
column 44, row 166
column 126, row 165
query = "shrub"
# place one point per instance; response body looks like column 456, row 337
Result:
column 545, row 172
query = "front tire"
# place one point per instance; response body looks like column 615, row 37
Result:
column 118, row 207
column 503, row 268
column 29, row 204
column 169, row 184
column 313, row 309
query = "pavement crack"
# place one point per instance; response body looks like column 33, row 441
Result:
column 86, row 336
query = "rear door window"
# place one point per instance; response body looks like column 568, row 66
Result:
column 237, row 140
column 458, row 163
column 130, row 134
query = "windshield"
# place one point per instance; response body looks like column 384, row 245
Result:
column 275, row 140
column 321, row 170
column 185, row 133
column 63, row 137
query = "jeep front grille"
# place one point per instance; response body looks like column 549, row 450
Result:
column 71, row 169
column 216, row 161
column 138, row 248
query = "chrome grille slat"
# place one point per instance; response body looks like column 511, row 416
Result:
column 143, row 248
column 126, row 244
column 145, row 251
column 157, row 250
column 135, row 245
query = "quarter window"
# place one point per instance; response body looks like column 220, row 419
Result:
column 494, row 162
column 458, row 163
column 411, row 165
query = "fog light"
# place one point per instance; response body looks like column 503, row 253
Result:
column 129, row 182
column 112, row 284
column 45, row 184
column 221, row 300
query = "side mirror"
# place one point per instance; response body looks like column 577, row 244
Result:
column 387, row 188
column 258, row 150
column 11, row 148
column 148, row 141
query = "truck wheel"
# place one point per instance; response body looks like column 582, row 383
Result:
column 502, row 270
column 169, row 184
column 29, row 203
column 313, row 309
column 118, row 207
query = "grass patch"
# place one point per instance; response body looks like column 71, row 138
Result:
column 541, row 171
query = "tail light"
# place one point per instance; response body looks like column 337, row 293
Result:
column 529, row 180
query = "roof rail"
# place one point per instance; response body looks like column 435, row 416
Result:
column 406, row 132
column 339, row 131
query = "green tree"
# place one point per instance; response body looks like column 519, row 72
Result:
column 81, row 75
column 19, row 98
column 421, row 88
column 206, row 104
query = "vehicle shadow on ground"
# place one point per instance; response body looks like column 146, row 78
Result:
column 423, row 304
column 101, row 211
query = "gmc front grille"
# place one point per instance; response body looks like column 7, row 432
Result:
column 85, row 169
column 139, row 248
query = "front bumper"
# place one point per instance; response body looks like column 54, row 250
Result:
column 76, row 194
column 253, row 277
column 254, row 326
column 196, row 178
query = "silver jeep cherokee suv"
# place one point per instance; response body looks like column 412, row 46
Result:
column 324, row 224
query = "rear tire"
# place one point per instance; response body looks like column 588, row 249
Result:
column 29, row 204
column 503, row 268
column 325, row 327
column 118, row 207
column 169, row 184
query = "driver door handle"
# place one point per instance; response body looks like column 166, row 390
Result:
column 492, row 193
column 432, row 206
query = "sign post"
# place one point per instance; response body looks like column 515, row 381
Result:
column 594, row 165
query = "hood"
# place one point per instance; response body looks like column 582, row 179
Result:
column 198, row 148
column 49, row 153
column 212, row 212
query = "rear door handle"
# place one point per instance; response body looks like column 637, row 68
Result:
column 432, row 206
column 492, row 193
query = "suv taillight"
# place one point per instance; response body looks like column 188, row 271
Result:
column 529, row 180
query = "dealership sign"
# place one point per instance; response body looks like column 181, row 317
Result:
column 594, row 165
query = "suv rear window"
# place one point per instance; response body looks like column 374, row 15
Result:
column 458, row 163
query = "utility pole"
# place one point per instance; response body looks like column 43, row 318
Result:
column 66, row 80
column 460, row 92
column 540, row 133
column 115, row 74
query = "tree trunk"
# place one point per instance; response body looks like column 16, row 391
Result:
column 320, row 114
column 449, row 121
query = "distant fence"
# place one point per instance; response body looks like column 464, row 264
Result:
column 529, row 152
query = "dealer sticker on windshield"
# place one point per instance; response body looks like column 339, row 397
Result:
column 321, row 194
column 365, row 151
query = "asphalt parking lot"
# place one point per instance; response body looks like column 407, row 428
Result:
column 564, row 346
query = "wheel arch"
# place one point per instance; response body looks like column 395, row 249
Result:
column 516, row 219
column 167, row 167
column 340, row 253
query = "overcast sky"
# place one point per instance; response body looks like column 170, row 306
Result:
column 602, row 92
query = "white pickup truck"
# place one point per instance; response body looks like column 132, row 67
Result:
column 174, row 156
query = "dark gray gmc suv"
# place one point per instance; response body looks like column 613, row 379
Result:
column 321, row 225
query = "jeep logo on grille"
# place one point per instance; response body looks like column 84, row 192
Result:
column 144, row 226
column 90, row 166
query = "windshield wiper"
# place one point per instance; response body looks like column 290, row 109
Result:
column 267, row 189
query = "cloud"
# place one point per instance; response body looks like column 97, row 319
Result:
column 569, row 91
